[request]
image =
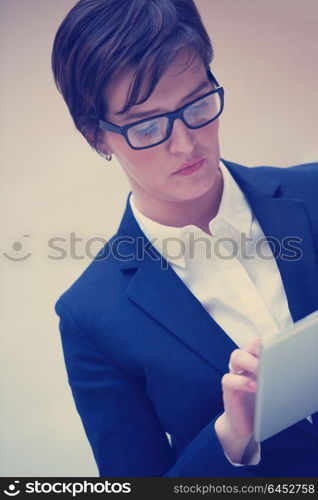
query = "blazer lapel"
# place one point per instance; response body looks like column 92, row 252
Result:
column 157, row 289
column 163, row 295
column 284, row 222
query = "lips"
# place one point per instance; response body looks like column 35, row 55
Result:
column 189, row 166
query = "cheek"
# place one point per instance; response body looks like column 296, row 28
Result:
column 136, row 163
column 209, row 135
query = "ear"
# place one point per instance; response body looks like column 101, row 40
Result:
column 104, row 150
column 103, row 145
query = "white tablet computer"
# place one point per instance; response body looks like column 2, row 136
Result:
column 287, row 379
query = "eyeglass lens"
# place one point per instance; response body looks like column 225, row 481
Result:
column 156, row 130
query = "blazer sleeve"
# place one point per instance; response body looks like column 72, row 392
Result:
column 121, row 423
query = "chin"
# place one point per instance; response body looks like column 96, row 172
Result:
column 199, row 188
column 195, row 191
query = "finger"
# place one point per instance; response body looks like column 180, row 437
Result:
column 233, row 382
column 243, row 360
column 253, row 346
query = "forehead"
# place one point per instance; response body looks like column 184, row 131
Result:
column 180, row 78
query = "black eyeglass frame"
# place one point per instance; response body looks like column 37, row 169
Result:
column 178, row 113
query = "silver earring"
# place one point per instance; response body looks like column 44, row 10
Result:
column 107, row 156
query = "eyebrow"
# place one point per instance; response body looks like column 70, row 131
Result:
column 142, row 114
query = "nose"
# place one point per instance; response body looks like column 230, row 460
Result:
column 181, row 139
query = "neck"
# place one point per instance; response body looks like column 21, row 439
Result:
column 197, row 212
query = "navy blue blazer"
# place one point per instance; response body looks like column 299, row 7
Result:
column 144, row 358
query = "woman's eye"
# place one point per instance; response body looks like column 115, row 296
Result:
column 197, row 108
column 147, row 131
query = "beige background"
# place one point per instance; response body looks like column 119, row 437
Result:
column 54, row 184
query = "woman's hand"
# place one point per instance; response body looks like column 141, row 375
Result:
column 234, row 427
column 239, row 389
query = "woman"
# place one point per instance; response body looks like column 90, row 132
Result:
column 160, row 338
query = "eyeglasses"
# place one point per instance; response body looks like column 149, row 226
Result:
column 155, row 130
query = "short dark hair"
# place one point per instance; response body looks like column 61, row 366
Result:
column 99, row 38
